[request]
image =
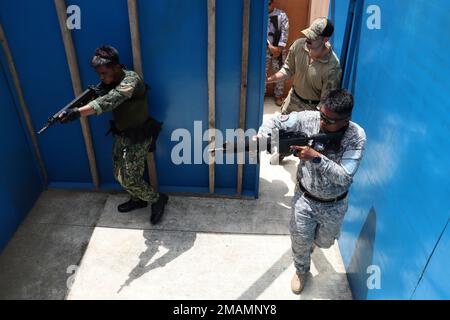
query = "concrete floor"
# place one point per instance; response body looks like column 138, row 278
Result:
column 75, row 245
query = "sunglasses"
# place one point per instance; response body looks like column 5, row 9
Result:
column 327, row 120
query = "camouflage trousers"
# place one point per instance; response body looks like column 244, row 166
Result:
column 129, row 165
column 293, row 103
column 275, row 64
column 313, row 221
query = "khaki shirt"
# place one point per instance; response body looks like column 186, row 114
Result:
column 312, row 81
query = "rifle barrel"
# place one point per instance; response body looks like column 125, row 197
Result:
column 43, row 129
column 89, row 94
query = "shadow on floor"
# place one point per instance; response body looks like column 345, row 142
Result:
column 328, row 283
column 175, row 243
column 275, row 191
column 259, row 286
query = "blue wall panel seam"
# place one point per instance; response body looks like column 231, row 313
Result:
column 347, row 36
column 262, row 87
column 429, row 259
column 20, row 115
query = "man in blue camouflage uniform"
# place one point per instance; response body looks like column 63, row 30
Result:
column 133, row 129
column 323, row 178
column 277, row 38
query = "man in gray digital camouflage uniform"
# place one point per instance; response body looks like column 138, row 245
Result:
column 132, row 128
column 323, row 177
column 277, row 38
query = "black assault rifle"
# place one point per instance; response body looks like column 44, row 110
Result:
column 285, row 142
column 91, row 93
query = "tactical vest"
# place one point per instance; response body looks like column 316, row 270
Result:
column 134, row 111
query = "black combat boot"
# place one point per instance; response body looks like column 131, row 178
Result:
column 131, row 205
column 158, row 208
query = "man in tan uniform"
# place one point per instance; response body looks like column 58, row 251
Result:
column 314, row 66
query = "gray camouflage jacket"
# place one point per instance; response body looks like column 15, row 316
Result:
column 333, row 176
column 283, row 25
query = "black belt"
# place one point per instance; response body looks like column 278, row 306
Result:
column 314, row 102
column 310, row 196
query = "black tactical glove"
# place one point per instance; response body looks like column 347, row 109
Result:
column 69, row 115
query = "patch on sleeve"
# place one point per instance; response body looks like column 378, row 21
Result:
column 283, row 117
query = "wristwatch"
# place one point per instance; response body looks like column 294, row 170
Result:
column 317, row 160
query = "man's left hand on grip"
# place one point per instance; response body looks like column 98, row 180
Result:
column 69, row 115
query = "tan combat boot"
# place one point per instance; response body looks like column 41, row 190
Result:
column 298, row 282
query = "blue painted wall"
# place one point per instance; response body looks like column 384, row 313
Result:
column 174, row 51
column 20, row 183
column 434, row 284
column 399, row 210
